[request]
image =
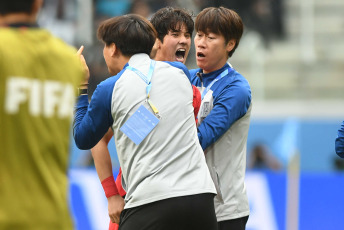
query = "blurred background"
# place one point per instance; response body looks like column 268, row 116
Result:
column 292, row 54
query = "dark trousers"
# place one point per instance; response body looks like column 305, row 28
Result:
column 234, row 224
column 194, row 212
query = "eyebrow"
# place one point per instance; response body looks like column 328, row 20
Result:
column 179, row 31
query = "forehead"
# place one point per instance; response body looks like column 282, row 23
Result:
column 209, row 31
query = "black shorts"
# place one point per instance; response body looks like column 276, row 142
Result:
column 234, row 224
column 194, row 212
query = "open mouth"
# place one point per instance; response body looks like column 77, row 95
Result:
column 200, row 55
column 180, row 55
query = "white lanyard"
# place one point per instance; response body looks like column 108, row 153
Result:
column 147, row 80
column 224, row 73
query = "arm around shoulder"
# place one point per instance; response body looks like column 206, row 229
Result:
column 93, row 120
column 230, row 104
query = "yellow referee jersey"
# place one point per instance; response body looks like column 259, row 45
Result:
column 39, row 75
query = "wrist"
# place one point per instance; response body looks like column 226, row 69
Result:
column 83, row 89
column 109, row 187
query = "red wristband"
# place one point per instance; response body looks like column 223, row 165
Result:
column 109, row 187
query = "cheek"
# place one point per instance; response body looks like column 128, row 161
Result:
column 215, row 50
column 195, row 40
column 104, row 54
column 105, row 58
column 164, row 48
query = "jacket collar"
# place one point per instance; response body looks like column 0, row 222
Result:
column 208, row 77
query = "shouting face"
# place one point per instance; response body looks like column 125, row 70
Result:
column 175, row 46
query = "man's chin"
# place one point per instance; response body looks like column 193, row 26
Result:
column 182, row 60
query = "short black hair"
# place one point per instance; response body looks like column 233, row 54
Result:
column 15, row 6
column 131, row 33
column 222, row 21
column 169, row 18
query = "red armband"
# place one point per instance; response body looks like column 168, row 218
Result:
column 109, row 187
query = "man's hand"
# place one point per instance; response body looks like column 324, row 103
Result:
column 115, row 207
column 83, row 64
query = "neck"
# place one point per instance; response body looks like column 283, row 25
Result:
column 119, row 63
column 123, row 60
column 17, row 18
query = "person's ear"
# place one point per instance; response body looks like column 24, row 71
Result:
column 230, row 45
column 155, row 48
column 113, row 49
column 158, row 43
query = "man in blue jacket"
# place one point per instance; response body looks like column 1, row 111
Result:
column 224, row 116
